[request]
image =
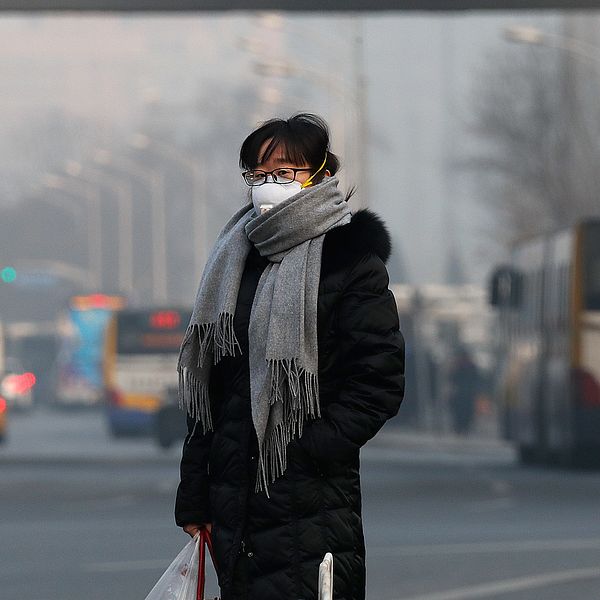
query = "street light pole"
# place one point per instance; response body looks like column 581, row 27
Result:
column 59, row 202
column 362, row 128
column 155, row 183
column 123, row 195
column 90, row 194
column 199, row 225
column 65, row 203
column 521, row 34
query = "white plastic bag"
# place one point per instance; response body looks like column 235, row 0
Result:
column 180, row 580
column 326, row 578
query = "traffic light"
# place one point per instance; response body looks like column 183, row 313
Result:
column 8, row 274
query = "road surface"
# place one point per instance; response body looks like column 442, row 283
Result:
column 85, row 517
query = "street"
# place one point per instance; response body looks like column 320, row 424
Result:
column 87, row 517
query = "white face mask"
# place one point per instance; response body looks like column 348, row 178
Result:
column 270, row 194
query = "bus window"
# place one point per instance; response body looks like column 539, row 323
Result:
column 150, row 332
column 591, row 255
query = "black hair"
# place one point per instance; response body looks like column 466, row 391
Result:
column 304, row 139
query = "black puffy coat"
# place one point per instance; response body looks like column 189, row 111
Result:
column 315, row 506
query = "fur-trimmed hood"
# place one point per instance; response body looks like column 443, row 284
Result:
column 366, row 233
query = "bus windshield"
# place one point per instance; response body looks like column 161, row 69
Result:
column 591, row 289
column 151, row 331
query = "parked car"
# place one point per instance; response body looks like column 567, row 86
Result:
column 16, row 386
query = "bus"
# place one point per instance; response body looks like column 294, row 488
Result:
column 140, row 366
column 81, row 330
column 547, row 301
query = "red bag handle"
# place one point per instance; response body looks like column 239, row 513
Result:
column 205, row 539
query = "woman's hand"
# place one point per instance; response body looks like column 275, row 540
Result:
column 192, row 528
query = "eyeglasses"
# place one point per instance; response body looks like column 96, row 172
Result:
column 282, row 176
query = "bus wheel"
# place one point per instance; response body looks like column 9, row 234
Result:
column 164, row 441
column 164, row 432
column 526, row 455
column 170, row 426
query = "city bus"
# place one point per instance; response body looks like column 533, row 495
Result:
column 547, row 299
column 140, row 366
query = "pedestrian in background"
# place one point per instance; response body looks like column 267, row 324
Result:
column 292, row 361
column 465, row 384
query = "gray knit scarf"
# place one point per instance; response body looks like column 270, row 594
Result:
column 283, row 352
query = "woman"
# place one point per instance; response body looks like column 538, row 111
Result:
column 292, row 361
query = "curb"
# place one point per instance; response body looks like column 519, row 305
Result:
column 71, row 461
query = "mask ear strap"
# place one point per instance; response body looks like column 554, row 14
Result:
column 308, row 181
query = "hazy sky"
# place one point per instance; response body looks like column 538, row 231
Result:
column 422, row 71
column 419, row 70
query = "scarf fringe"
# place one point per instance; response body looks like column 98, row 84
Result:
column 217, row 337
column 193, row 398
column 224, row 340
column 298, row 391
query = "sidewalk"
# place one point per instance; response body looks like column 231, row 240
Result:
column 443, row 447
column 47, row 436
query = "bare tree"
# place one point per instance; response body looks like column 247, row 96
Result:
column 535, row 117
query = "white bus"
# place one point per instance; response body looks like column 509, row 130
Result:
column 548, row 302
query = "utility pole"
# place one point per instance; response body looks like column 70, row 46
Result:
column 362, row 118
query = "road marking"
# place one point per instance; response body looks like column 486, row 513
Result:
column 127, row 565
column 511, row 585
column 488, row 547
